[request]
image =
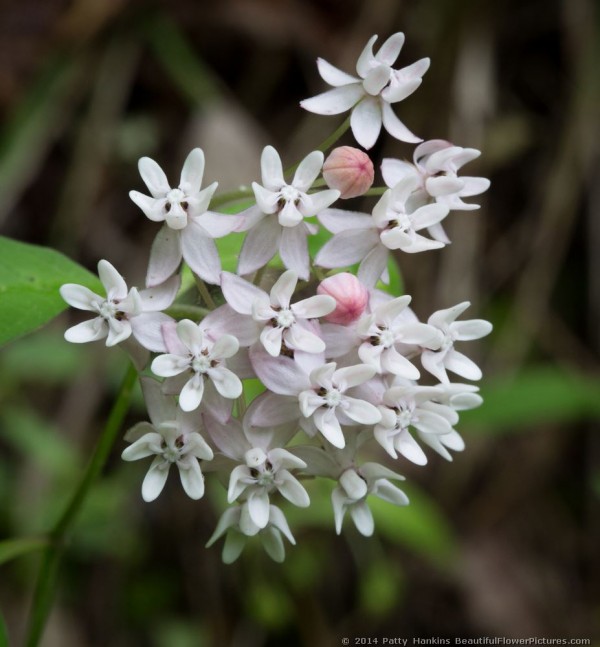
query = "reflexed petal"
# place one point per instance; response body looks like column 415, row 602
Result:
column 169, row 365
column 217, row 225
column 389, row 51
column 334, row 102
column 265, row 198
column 153, row 208
column 192, row 172
column 363, row 518
column 406, row 445
column 347, row 248
column 240, row 294
column 384, row 436
column 200, row 253
column 298, row 338
column 260, row 245
column 165, row 256
column 395, row 127
column 258, row 508
column 226, row 382
column 80, row 297
column 338, row 503
column 192, row 392
column 365, row 60
column 147, row 329
column 233, row 547
column 271, row 338
column 160, row 297
column 373, row 265
column 272, row 409
column 338, row 220
column 292, row 490
column 282, row 290
column 154, row 177
column 144, row 446
column 328, row 424
column 462, row 365
column 313, row 307
column 366, row 122
column 138, row 430
column 293, row 250
column 277, row 520
column 113, row 282
column 271, row 169
column 155, row 479
column 360, row 411
column 281, row 375
column 160, row 407
column 309, row 402
column 453, row 441
column 308, row 170
column 273, row 544
column 192, row 479
column 332, row 75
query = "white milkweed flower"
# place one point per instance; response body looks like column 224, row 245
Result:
column 189, row 227
column 328, row 405
column 445, row 357
column 237, row 525
column 203, row 359
column 122, row 312
column 370, row 96
column 281, row 322
column 277, row 223
column 172, row 438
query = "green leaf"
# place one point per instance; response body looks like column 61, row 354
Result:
column 12, row 548
column 539, row 395
column 381, row 586
column 30, row 277
column 3, row 633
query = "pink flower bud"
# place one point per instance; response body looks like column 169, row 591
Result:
column 348, row 170
column 350, row 294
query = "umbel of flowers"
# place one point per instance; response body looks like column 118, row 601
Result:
column 346, row 368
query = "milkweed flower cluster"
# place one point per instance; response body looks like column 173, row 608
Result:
column 350, row 381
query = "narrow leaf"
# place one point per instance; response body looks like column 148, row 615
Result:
column 13, row 548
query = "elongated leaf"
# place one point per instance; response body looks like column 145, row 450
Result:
column 12, row 548
column 30, row 277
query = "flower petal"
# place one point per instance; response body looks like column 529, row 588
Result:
column 192, row 172
column 292, row 490
column 328, row 424
column 113, row 282
column 165, row 256
column 298, row 338
column 308, row 171
column 373, row 266
column 258, row 508
column 389, row 51
column 462, row 365
column 191, row 394
column 363, row 518
column 293, row 250
column 313, row 307
column 283, row 289
column 80, row 297
column 260, row 245
column 334, row 102
column 147, row 329
column 154, row 177
column 395, row 127
column 365, row 60
column 153, row 208
column 271, row 339
column 168, row 365
column 86, row 331
column 281, row 375
column 144, row 446
column 226, row 382
column 271, row 169
column 361, row 411
column 200, row 253
column 155, row 479
column 347, row 248
column 191, row 478
column 365, row 122
column 330, row 74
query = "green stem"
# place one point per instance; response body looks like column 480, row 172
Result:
column 231, row 196
column 376, row 190
column 187, row 311
column 204, row 293
column 46, row 583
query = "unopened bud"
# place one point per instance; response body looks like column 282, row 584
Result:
column 348, row 170
column 350, row 295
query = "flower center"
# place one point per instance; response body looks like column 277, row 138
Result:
column 175, row 196
column 285, row 318
column 201, row 363
column 404, row 418
column 332, row 398
column 108, row 310
column 289, row 194
column 386, row 338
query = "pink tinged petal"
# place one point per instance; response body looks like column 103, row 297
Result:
column 339, row 220
column 352, row 483
column 192, row 172
column 226, row 346
column 266, row 199
column 406, row 445
column 271, row 169
column 395, row 127
column 360, row 411
column 393, row 362
column 471, row 329
column 172, row 341
column 328, row 424
column 165, row 256
column 298, row 338
column 393, row 171
column 153, row 208
column 313, row 307
column 80, row 297
column 281, row 375
column 239, row 293
column 271, row 339
column 227, row 436
column 389, row 51
column 365, row 60
column 200, row 253
column 191, row 394
column 462, row 365
column 192, row 479
column 271, row 409
column 334, row 102
column 365, row 122
column 169, row 365
column 293, row 250
column 155, row 479
column 339, row 340
column 217, row 225
column 428, row 215
column 445, row 317
column 363, row 518
column 154, row 177
column 226, row 382
column 260, row 245
column 113, row 282
column 258, row 508
column 160, row 297
column 474, row 186
column 147, row 329
column 373, row 266
column 332, row 75
column 443, row 185
column 161, row 407
column 215, row 405
column 292, row 490
column 308, row 170
column 282, row 290
column 377, row 79
column 146, row 445
column 289, row 216
column 313, row 204
column 347, row 248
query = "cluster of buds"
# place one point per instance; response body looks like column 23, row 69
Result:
column 338, row 357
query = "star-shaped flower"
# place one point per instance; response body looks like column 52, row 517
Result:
column 371, row 94
column 189, row 227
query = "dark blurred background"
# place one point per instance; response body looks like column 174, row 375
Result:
column 501, row 542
